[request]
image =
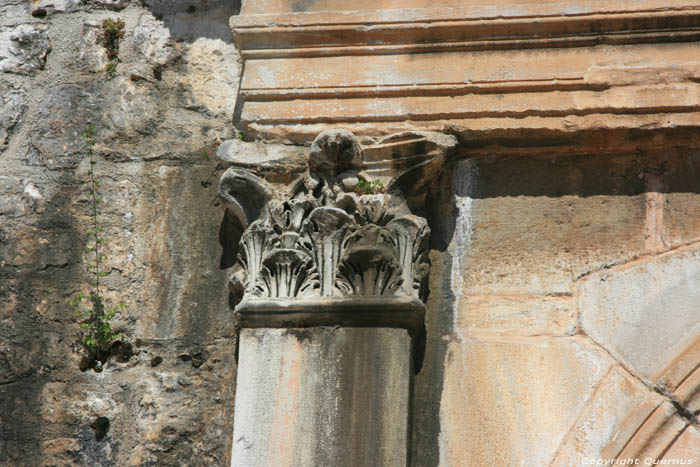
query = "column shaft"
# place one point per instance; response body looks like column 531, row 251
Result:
column 322, row 396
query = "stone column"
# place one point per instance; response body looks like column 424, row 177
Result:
column 329, row 289
column 322, row 396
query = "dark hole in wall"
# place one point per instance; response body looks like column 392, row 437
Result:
column 101, row 427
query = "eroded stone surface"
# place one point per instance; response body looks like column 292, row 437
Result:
column 322, row 396
column 114, row 4
column 653, row 436
column 536, row 224
column 55, row 6
column 13, row 11
column 13, row 105
column 153, row 41
column 152, row 173
column 23, row 48
column 519, row 315
column 646, row 313
column 605, row 420
column 686, row 447
column 681, row 209
column 518, row 394
column 591, row 172
column 276, row 157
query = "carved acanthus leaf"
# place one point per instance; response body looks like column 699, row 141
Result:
column 369, row 265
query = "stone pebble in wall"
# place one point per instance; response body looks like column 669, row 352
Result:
column 10, row 10
column 23, row 48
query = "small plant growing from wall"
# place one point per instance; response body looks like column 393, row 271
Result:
column 373, row 187
column 111, row 68
column 97, row 336
column 208, row 152
column 112, row 33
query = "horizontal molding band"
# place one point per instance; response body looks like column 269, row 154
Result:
column 677, row 98
column 345, row 312
column 445, row 89
column 289, row 36
column 505, row 43
column 545, row 132
column 426, row 117
column 517, row 66
column 495, row 66
column 494, row 11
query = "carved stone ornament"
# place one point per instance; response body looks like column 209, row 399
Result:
column 327, row 253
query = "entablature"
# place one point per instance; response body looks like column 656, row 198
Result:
column 562, row 66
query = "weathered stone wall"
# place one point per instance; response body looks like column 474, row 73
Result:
column 172, row 96
column 564, row 312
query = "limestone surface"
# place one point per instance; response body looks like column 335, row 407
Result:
column 562, row 314
column 322, row 396
column 171, row 402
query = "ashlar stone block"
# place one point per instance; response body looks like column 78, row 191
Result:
column 512, row 402
column 645, row 313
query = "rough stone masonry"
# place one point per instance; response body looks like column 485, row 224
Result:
column 562, row 324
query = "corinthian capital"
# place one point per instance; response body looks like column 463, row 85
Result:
column 341, row 248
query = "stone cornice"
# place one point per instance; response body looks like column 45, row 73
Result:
column 473, row 28
column 393, row 11
column 564, row 67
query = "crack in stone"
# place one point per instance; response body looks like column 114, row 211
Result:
column 640, row 258
column 682, row 411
